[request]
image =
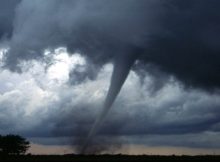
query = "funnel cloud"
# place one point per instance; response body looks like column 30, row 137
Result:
column 121, row 70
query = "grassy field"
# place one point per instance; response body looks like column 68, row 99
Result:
column 106, row 158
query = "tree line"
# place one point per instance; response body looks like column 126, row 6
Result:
column 13, row 145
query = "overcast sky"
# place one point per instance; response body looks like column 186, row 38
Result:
column 57, row 59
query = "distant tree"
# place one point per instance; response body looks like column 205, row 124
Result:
column 13, row 145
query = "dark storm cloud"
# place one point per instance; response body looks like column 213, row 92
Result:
column 95, row 29
column 181, row 38
column 188, row 46
column 7, row 14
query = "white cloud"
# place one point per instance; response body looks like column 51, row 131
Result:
column 3, row 51
column 59, row 71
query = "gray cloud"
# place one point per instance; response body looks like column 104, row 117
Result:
column 82, row 72
column 64, row 113
column 7, row 14
column 180, row 38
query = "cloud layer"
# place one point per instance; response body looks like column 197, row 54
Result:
column 41, row 103
column 181, row 38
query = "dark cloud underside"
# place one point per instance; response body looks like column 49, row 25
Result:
column 181, row 38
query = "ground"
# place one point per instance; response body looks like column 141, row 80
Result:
column 106, row 158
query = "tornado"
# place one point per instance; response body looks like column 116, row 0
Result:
column 122, row 66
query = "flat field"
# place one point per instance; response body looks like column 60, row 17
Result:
column 107, row 158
